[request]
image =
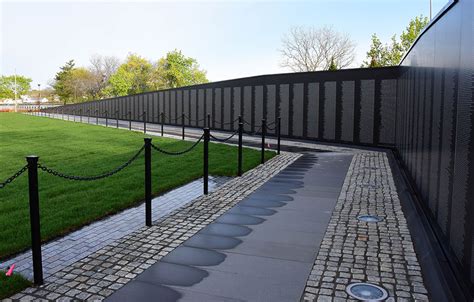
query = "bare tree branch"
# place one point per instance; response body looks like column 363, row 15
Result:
column 311, row 49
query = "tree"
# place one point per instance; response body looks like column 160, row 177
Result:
column 102, row 68
column 8, row 86
column 177, row 70
column 62, row 82
column 311, row 49
column 332, row 66
column 83, row 82
column 391, row 54
column 131, row 77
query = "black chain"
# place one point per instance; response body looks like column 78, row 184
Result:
column 254, row 132
column 270, row 128
column 229, row 123
column 89, row 178
column 179, row 152
column 224, row 139
column 197, row 121
column 13, row 177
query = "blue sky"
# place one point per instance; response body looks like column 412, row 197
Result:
column 229, row 39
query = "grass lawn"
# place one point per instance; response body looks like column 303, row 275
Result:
column 81, row 149
column 11, row 285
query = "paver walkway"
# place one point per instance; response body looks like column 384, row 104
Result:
column 63, row 252
column 108, row 269
column 262, row 249
column 347, row 251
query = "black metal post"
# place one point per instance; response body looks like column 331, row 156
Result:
column 129, row 120
column 264, row 128
column 206, row 159
column 148, row 181
column 241, row 131
column 144, row 121
column 208, row 120
column 116, row 118
column 278, row 134
column 106, row 118
column 97, row 117
column 162, row 122
column 182, row 122
column 35, row 218
column 80, row 115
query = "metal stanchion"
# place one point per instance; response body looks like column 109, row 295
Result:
column 206, row 160
column 264, row 128
column 35, row 218
column 182, row 122
column 162, row 122
column 148, row 182
column 241, row 131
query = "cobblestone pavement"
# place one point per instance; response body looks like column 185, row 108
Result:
column 65, row 251
column 353, row 251
column 101, row 273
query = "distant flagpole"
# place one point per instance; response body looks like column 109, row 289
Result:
column 15, row 93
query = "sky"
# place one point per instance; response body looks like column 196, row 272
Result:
column 229, row 39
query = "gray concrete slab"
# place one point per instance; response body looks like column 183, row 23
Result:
column 263, row 248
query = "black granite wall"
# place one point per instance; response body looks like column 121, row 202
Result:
column 434, row 132
column 352, row 106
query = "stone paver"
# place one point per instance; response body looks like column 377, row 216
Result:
column 100, row 274
column 353, row 251
column 65, row 251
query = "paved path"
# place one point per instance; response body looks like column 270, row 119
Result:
column 347, row 251
column 262, row 249
column 108, row 269
column 71, row 248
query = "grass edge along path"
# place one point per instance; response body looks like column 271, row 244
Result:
column 83, row 149
column 12, row 284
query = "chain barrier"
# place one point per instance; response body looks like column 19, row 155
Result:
column 224, row 139
column 254, row 132
column 178, row 152
column 89, row 178
column 228, row 123
column 13, row 177
column 191, row 120
column 271, row 128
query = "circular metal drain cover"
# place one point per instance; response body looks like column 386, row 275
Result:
column 366, row 292
column 369, row 218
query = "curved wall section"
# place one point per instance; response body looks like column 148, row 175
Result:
column 434, row 127
column 347, row 106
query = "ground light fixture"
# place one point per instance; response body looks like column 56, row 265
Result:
column 369, row 218
column 366, row 292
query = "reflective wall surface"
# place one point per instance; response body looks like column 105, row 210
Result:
column 435, row 126
column 423, row 108
column 352, row 106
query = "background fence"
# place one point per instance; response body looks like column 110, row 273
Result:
column 423, row 108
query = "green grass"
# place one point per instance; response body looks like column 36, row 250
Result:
column 82, row 149
column 11, row 285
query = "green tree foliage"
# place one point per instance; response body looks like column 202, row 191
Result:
column 177, row 70
column 332, row 65
column 390, row 54
column 62, row 82
column 7, row 86
column 131, row 77
column 107, row 78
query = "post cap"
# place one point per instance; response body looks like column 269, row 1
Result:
column 32, row 158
